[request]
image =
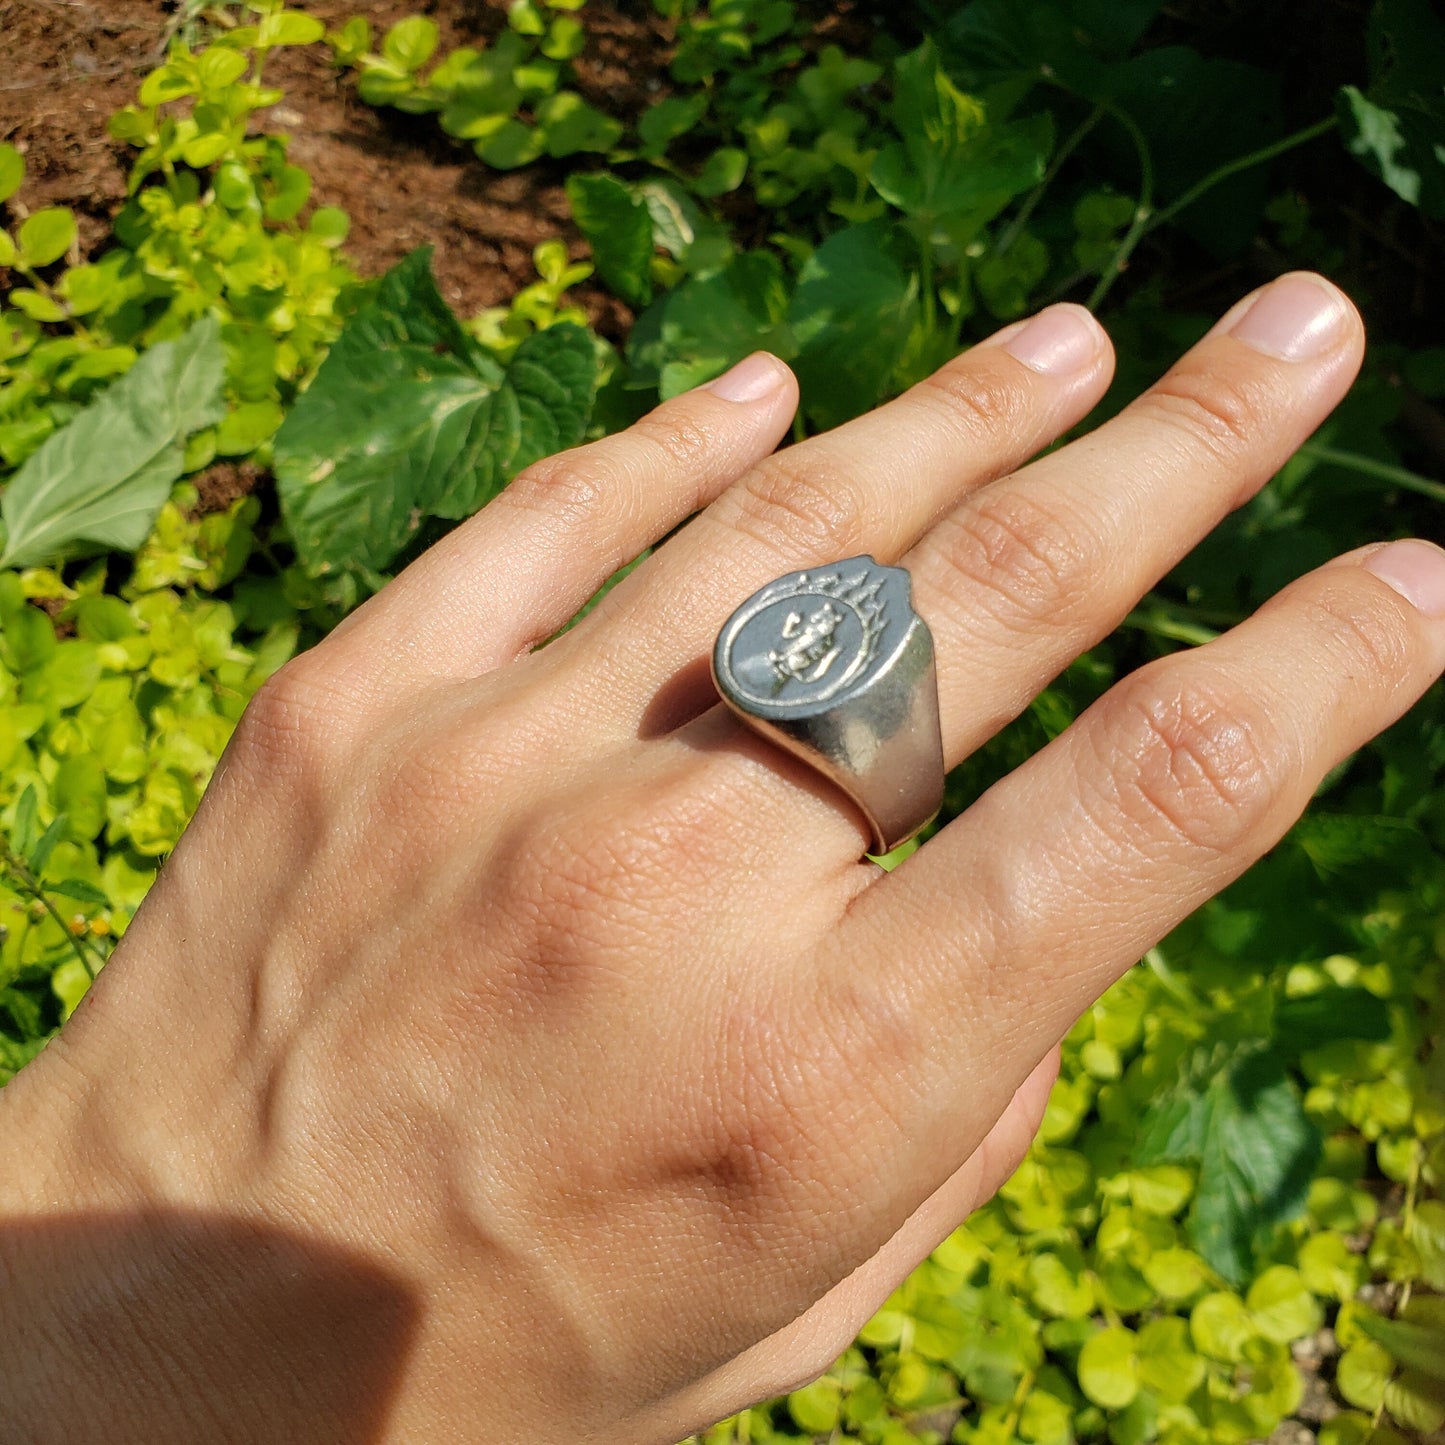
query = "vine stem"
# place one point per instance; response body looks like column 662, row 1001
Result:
column 1243, row 163
column 1147, row 219
column 1373, row 467
column 1143, row 209
column 1015, row 227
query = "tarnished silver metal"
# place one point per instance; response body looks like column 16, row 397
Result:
column 834, row 664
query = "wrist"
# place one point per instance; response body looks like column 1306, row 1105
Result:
column 156, row 1323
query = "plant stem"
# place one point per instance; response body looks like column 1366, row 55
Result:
column 1012, row 231
column 1146, row 219
column 27, row 885
column 1162, row 620
column 925, row 283
column 1373, row 467
column 1242, row 163
column 1143, row 209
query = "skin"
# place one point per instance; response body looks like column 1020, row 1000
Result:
column 517, row 1049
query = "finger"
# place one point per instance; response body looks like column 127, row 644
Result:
column 527, row 562
column 1025, row 909
column 872, row 485
column 1029, row 572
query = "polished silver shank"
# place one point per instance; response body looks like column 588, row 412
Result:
column 834, row 664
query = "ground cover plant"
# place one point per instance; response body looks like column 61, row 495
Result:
column 1230, row 1228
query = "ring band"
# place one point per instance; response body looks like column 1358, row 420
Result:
column 834, row 665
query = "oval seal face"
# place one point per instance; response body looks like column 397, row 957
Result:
column 803, row 639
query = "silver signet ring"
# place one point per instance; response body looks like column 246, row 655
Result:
column 834, row 665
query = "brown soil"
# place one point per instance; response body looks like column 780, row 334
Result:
column 71, row 63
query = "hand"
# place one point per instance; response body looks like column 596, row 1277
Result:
column 517, row 1049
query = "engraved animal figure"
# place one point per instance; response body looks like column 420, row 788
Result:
column 810, row 649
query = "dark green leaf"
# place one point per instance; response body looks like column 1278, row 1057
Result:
column 854, row 306
column 39, row 855
column 79, row 890
column 409, row 418
column 25, row 832
column 1236, row 1115
column 618, row 227
column 1332, row 1014
column 662, row 123
column 706, row 324
column 1396, row 125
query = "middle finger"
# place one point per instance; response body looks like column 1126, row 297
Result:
column 875, row 484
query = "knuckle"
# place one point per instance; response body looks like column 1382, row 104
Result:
column 572, row 486
column 1216, row 410
column 817, row 508
column 1363, row 627
column 294, row 721
column 680, row 440
column 598, row 885
column 1199, row 759
column 1020, row 549
column 976, row 401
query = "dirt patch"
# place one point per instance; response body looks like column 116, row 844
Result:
column 71, row 63
column 68, row 65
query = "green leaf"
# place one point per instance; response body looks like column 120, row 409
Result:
column 410, row 43
column 817, row 1407
column 45, row 236
column 510, row 144
column 662, row 123
column 219, row 67
column 100, row 480
column 289, row 27
column 39, row 855
column 525, row 18
column 855, row 304
column 723, row 172
column 618, row 227
column 1362, row 1373
column 408, row 418
column 565, row 39
column 485, row 93
column 568, row 125
column 1315, row 1020
column 1420, row 1346
column 330, row 225
column 706, row 324
column 245, row 428
column 951, row 166
column 25, row 831
column 1221, row 1326
column 1395, row 127
column 1109, row 1368
column 79, row 890
column 1167, row 1365
column 12, row 170
column 1284, row 1309
column 1238, row 1116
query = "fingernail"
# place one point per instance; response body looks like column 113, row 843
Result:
column 1062, row 339
column 1416, row 570
column 750, row 380
column 1295, row 318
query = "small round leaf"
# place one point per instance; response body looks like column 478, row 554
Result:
column 46, row 236
column 12, row 170
column 1109, row 1368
